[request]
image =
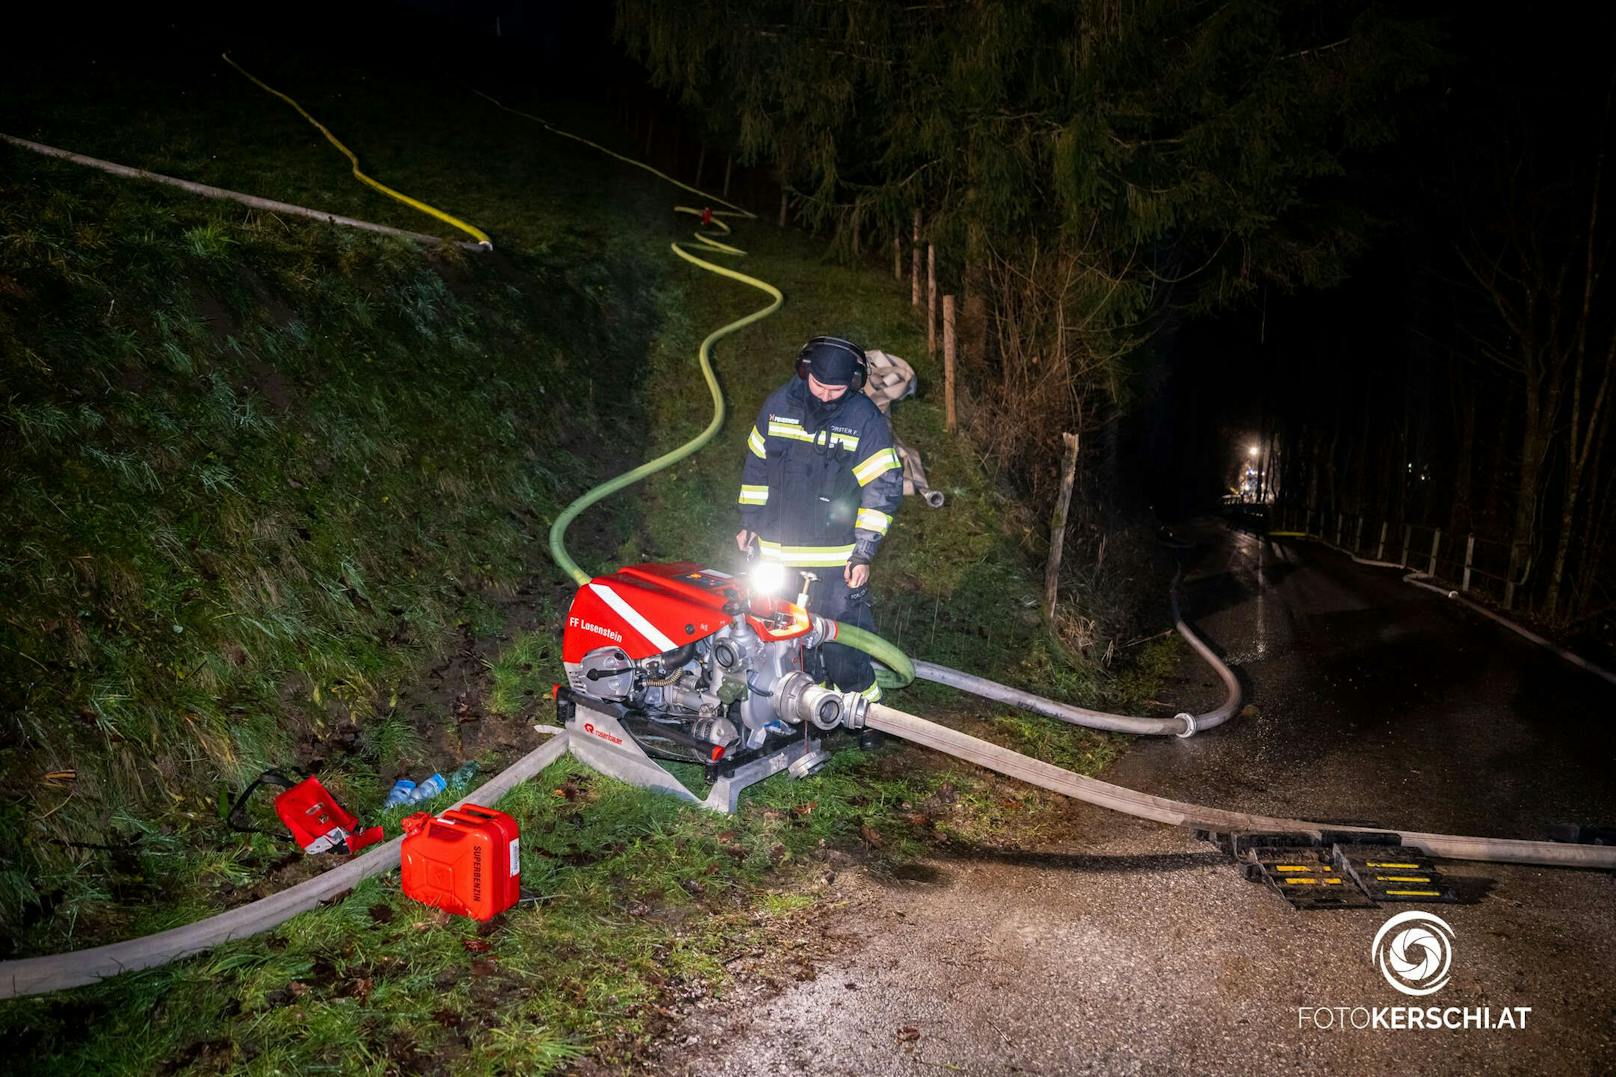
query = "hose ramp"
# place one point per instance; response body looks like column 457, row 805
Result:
column 36, row 975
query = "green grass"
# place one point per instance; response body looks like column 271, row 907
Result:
column 633, row 897
column 260, row 476
column 256, row 473
column 520, row 672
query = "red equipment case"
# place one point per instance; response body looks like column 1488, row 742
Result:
column 318, row 822
column 466, row 860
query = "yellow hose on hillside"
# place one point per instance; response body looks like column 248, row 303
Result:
column 706, row 243
column 893, row 667
column 476, row 233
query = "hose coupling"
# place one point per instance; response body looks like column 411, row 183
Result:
column 1189, row 725
column 855, row 708
column 798, row 699
column 824, row 631
column 788, row 692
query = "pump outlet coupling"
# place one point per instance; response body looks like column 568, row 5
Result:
column 798, row 699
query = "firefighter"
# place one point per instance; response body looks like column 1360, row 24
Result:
column 818, row 491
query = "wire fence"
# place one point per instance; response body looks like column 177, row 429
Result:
column 1469, row 563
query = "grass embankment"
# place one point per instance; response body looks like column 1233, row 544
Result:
column 264, row 478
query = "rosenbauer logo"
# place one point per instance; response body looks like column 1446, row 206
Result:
column 589, row 727
column 1414, row 951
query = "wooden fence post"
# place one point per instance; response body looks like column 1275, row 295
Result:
column 1436, row 542
column 1340, row 525
column 1057, row 526
column 948, row 361
column 729, row 162
column 931, row 301
column 1357, row 537
column 1470, row 554
column 1408, row 537
column 897, row 259
column 914, row 264
column 1380, row 550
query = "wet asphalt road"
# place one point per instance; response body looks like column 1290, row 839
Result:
column 1133, row 947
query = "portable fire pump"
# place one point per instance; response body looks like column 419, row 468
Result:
column 689, row 664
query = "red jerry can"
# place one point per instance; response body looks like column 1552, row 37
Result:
column 466, row 860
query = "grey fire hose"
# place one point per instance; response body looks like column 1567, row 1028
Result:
column 37, row 975
column 1180, row 725
column 1177, row 813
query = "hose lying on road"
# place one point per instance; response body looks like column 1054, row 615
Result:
column 1177, row 813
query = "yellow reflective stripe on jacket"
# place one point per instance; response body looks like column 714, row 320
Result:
column 872, row 693
column 872, row 520
column 791, row 431
column 876, row 465
column 805, row 556
column 754, row 442
column 754, row 495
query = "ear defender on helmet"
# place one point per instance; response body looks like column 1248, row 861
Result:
column 828, row 347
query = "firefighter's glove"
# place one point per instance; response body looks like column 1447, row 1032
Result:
column 857, row 572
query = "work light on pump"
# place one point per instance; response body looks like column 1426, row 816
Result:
column 767, row 577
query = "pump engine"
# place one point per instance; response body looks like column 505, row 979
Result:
column 695, row 667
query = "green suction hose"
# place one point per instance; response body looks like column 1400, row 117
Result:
column 704, row 242
column 893, row 667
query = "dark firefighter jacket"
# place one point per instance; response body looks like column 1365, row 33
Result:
column 812, row 487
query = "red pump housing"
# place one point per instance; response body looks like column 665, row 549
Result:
column 652, row 609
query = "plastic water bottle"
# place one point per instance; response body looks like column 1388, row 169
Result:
column 463, row 776
column 429, row 788
column 399, row 794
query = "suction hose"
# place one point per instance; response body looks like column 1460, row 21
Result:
column 894, row 669
column 705, row 242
